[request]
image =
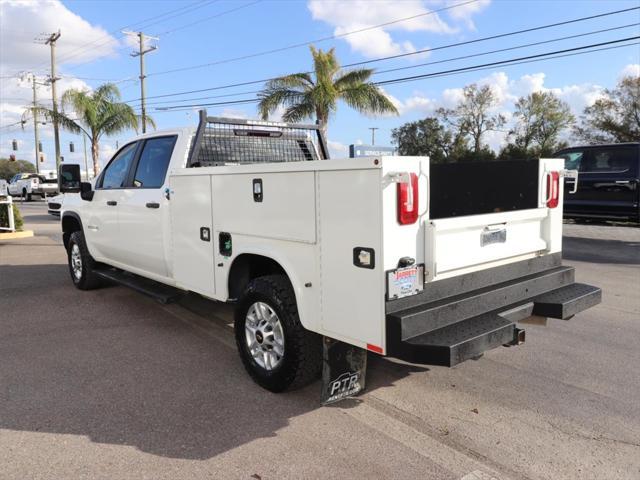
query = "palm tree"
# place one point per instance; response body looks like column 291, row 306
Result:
column 305, row 95
column 96, row 113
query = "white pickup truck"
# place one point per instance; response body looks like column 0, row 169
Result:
column 26, row 185
column 327, row 259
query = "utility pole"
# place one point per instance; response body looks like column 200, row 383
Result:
column 35, row 121
column 373, row 134
column 34, row 112
column 51, row 41
column 141, row 53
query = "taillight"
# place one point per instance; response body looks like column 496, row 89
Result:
column 553, row 189
column 408, row 201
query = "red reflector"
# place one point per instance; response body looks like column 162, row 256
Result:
column 553, row 189
column 374, row 348
column 408, row 204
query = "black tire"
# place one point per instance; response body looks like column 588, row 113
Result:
column 302, row 359
column 87, row 280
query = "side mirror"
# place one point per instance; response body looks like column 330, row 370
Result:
column 69, row 178
column 86, row 193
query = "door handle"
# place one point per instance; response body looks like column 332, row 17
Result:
column 112, row 203
column 153, row 205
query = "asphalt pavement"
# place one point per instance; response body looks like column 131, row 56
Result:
column 108, row 384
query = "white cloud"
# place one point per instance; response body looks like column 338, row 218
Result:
column 24, row 21
column 355, row 15
column 415, row 103
column 337, row 149
column 234, row 113
column 466, row 11
column 631, row 70
column 375, row 42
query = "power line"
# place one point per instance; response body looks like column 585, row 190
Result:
column 513, row 61
column 142, row 23
column 219, row 14
column 491, row 64
column 465, row 57
column 502, row 35
column 533, row 44
column 307, row 43
column 12, row 124
column 494, row 37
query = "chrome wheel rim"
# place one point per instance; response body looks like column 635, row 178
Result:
column 76, row 262
column 264, row 335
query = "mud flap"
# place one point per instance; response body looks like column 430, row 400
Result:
column 343, row 370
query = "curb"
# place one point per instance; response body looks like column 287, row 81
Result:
column 15, row 235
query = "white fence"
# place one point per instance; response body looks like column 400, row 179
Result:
column 6, row 202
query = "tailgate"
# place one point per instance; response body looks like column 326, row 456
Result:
column 453, row 244
column 470, row 243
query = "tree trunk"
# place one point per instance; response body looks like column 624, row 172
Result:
column 322, row 119
column 95, row 150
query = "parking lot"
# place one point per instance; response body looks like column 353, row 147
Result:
column 109, row 384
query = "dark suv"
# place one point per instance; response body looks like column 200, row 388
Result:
column 608, row 181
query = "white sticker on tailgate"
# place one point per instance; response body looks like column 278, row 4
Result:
column 487, row 237
column 405, row 281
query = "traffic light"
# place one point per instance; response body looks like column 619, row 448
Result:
column 14, row 145
column 40, row 147
column 12, row 158
column 72, row 147
column 41, row 158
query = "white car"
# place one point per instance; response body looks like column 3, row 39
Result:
column 429, row 263
column 54, row 204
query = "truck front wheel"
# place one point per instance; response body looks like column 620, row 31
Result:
column 81, row 263
column 276, row 350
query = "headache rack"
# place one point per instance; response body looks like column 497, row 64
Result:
column 231, row 141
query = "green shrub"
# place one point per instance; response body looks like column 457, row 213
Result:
column 17, row 217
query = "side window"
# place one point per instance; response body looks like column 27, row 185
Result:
column 153, row 163
column 613, row 160
column 572, row 160
column 116, row 173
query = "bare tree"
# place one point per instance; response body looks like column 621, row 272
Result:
column 473, row 116
column 615, row 117
column 540, row 118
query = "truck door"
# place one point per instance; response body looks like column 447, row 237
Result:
column 607, row 184
column 101, row 229
column 144, row 209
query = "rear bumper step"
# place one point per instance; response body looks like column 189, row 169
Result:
column 461, row 327
column 462, row 341
column 565, row 302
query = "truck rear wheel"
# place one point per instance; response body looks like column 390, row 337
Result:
column 81, row 263
column 276, row 350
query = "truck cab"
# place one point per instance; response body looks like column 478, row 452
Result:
column 609, row 187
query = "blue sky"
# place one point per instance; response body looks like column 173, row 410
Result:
column 199, row 32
